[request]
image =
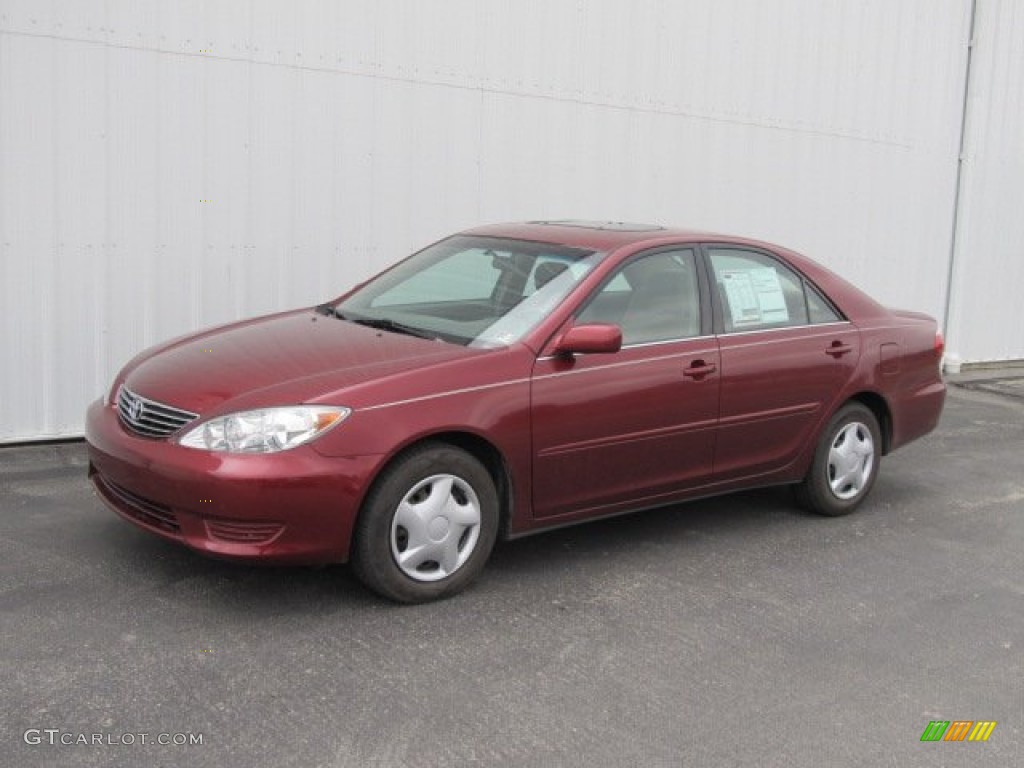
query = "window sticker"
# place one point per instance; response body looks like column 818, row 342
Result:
column 754, row 296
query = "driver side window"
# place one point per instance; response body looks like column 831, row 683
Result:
column 653, row 298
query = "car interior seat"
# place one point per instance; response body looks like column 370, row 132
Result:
column 547, row 272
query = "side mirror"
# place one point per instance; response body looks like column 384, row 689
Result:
column 596, row 338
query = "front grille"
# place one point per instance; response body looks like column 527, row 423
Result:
column 148, row 418
column 145, row 511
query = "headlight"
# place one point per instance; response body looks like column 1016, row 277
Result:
column 267, row 430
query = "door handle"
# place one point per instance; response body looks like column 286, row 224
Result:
column 698, row 369
column 838, row 349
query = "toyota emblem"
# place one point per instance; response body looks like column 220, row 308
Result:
column 136, row 409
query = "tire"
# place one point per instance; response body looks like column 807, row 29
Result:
column 845, row 463
column 427, row 526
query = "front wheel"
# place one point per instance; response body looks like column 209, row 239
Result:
column 428, row 525
column 845, row 462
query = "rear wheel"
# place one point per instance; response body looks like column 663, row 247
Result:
column 428, row 526
column 845, row 462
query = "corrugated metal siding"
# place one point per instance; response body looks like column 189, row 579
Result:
column 985, row 320
column 165, row 166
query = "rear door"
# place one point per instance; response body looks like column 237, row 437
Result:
column 615, row 430
column 786, row 353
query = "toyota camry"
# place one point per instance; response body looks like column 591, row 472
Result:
column 506, row 380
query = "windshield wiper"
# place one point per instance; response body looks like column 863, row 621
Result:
column 381, row 323
column 385, row 324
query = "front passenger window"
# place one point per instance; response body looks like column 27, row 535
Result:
column 653, row 298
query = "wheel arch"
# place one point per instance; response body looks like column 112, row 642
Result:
column 883, row 414
column 482, row 450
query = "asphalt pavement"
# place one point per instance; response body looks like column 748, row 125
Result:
column 737, row 631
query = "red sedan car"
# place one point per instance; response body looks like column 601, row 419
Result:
column 506, row 380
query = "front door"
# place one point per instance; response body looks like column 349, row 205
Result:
column 620, row 430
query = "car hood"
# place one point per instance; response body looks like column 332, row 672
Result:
column 281, row 359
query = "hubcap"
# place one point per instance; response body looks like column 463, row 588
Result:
column 435, row 528
column 850, row 460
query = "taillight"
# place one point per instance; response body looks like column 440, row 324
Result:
column 940, row 345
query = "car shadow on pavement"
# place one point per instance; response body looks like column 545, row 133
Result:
column 174, row 573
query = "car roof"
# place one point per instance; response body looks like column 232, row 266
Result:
column 611, row 235
column 594, row 235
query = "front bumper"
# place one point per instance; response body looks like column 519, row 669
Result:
column 296, row 506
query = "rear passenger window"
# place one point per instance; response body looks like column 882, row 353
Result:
column 820, row 311
column 757, row 291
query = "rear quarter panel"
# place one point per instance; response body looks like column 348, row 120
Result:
column 904, row 370
column 898, row 361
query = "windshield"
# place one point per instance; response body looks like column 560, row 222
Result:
column 477, row 291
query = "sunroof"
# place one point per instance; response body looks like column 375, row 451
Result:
column 611, row 226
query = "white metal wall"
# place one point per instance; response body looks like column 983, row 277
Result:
column 986, row 321
column 169, row 165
